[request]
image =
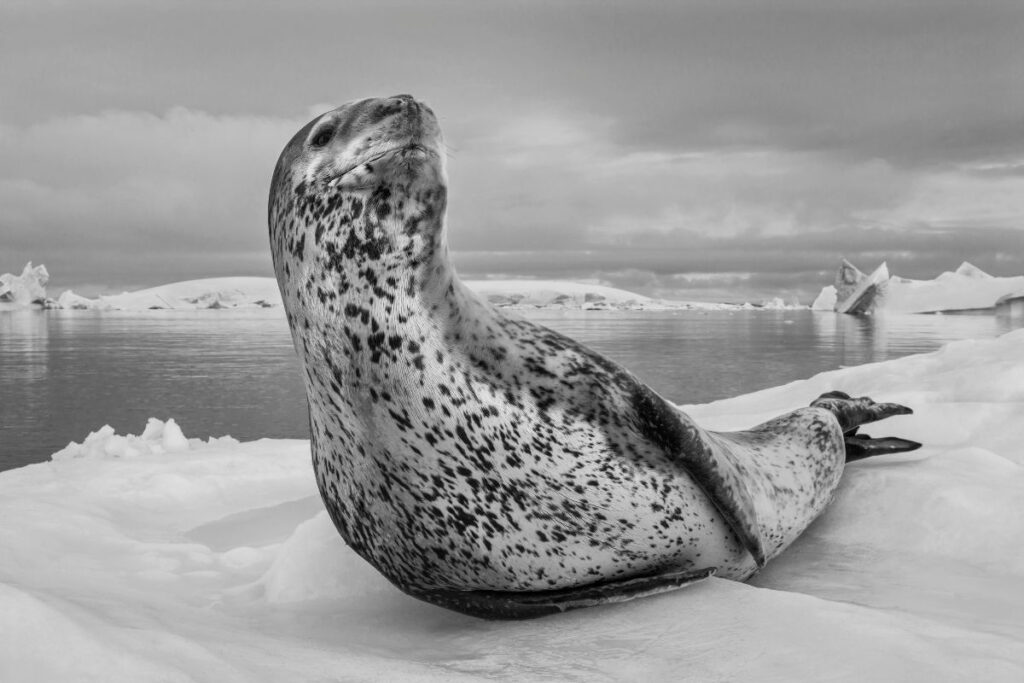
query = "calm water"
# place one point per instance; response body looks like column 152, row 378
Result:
column 66, row 373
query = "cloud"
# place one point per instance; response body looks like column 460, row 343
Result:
column 588, row 139
column 133, row 197
column 915, row 82
column 140, row 194
column 558, row 182
column 757, row 267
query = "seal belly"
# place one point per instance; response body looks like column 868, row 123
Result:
column 470, row 504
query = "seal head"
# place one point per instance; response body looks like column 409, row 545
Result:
column 363, row 183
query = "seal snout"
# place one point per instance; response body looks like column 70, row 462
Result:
column 414, row 117
column 391, row 106
column 407, row 124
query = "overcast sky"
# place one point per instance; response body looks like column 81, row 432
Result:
column 710, row 150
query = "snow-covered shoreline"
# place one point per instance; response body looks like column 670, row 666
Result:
column 968, row 288
column 262, row 292
column 158, row 557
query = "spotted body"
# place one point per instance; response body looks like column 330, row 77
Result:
column 463, row 451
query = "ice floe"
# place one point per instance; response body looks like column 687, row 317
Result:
column 158, row 557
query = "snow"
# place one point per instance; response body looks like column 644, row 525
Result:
column 966, row 288
column 21, row 291
column 157, row 557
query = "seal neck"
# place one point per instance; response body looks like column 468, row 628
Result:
column 374, row 271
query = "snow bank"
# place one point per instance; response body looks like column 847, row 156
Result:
column 20, row 291
column 133, row 558
column 966, row 288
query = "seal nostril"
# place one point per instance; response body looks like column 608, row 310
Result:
column 407, row 102
column 385, row 110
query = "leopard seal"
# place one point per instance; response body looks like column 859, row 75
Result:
column 485, row 463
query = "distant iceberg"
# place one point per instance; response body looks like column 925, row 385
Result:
column 557, row 294
column 560, row 294
column 218, row 292
column 856, row 292
column 20, row 291
column 966, row 288
column 253, row 292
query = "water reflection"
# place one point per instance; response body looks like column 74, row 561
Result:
column 25, row 335
column 66, row 373
column 866, row 339
column 698, row 356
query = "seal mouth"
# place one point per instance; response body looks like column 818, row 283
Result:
column 409, row 148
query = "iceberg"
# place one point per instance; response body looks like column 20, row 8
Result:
column 161, row 557
column 968, row 288
column 826, row 299
column 856, row 292
column 68, row 299
column 20, row 291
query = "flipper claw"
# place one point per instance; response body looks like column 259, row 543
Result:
column 863, row 446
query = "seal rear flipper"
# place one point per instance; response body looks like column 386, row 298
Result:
column 712, row 468
column 854, row 412
column 860, row 446
column 533, row 604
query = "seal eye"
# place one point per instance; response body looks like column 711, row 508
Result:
column 322, row 137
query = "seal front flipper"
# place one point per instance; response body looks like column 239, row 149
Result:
column 533, row 604
column 713, row 470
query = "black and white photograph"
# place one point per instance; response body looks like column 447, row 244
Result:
column 511, row 340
